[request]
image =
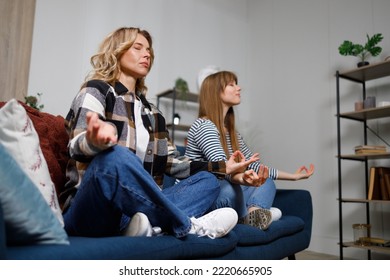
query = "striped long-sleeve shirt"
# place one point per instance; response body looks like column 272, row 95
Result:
column 204, row 144
column 115, row 104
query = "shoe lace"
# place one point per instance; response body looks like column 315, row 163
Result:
column 202, row 229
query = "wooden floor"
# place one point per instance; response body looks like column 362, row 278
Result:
column 310, row 255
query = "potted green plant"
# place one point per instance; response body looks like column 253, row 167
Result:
column 362, row 52
column 181, row 87
column 33, row 101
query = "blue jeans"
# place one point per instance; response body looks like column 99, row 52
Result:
column 240, row 198
column 115, row 186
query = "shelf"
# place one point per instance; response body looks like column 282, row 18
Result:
column 368, row 114
column 180, row 127
column 174, row 96
column 357, row 200
column 191, row 97
column 365, row 156
column 372, row 248
column 367, row 73
column 360, row 75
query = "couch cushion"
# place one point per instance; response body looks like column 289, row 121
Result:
column 129, row 248
column 278, row 249
column 287, row 225
column 194, row 247
column 27, row 217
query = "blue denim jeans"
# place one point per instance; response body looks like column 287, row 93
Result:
column 240, row 198
column 115, row 186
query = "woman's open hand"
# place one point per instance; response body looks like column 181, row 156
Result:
column 99, row 133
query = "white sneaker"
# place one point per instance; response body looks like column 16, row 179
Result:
column 140, row 226
column 215, row 224
column 275, row 213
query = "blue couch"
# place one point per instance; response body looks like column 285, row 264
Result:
column 284, row 238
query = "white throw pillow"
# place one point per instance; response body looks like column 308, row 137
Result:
column 19, row 137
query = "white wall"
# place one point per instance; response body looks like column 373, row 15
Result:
column 294, row 57
column 284, row 52
column 185, row 33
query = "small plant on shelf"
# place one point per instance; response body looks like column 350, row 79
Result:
column 370, row 48
column 181, row 88
column 33, row 101
column 181, row 85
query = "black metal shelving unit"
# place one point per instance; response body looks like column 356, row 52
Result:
column 174, row 95
column 362, row 76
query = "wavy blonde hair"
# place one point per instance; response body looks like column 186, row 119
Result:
column 210, row 106
column 105, row 63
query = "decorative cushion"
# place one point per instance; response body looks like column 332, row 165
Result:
column 53, row 139
column 19, row 137
column 28, row 218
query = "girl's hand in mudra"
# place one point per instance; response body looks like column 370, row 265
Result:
column 263, row 173
column 238, row 164
column 251, row 178
column 303, row 172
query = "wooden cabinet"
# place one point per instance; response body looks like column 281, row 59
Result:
column 361, row 76
column 173, row 96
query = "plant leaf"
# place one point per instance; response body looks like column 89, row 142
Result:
column 371, row 44
column 375, row 51
column 374, row 40
column 346, row 48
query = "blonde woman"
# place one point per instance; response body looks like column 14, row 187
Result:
column 213, row 136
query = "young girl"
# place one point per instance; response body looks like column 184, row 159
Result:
column 213, row 136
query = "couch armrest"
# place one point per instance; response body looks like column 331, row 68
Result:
column 294, row 202
column 3, row 238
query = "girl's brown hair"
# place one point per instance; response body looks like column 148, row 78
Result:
column 105, row 62
column 210, row 107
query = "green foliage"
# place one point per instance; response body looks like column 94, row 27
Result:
column 363, row 52
column 181, row 88
column 33, row 101
column 181, row 85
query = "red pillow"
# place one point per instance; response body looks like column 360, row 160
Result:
column 53, row 140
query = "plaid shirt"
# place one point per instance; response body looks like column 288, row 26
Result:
column 116, row 106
